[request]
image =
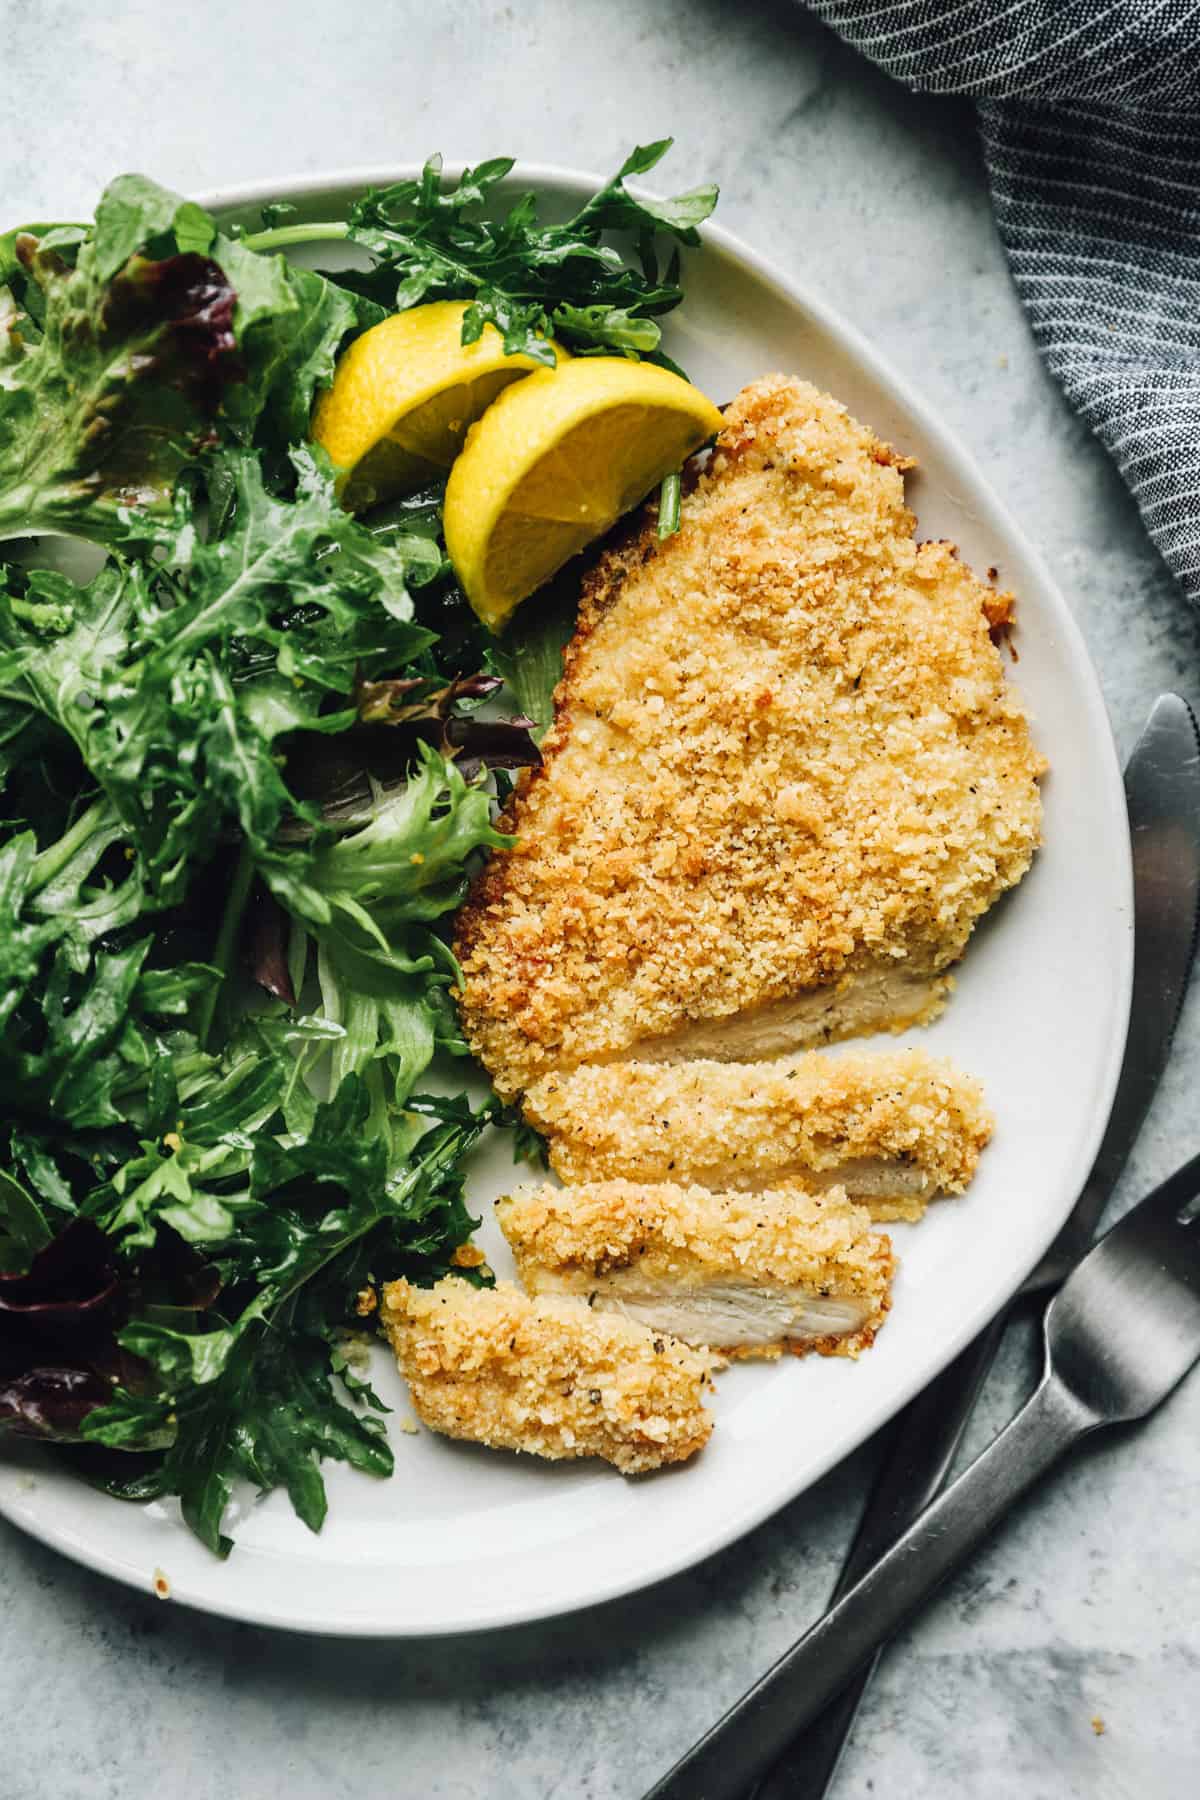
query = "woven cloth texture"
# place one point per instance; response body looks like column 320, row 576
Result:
column 1089, row 112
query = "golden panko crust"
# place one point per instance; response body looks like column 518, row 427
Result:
column 681, row 1239
column 899, row 1115
column 547, row 1376
column 784, row 750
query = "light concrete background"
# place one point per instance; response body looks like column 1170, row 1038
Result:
column 1087, row 1605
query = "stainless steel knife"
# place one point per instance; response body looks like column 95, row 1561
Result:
column 1119, row 1336
column 1162, row 791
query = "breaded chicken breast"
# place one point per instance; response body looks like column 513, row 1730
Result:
column 549, row 1376
column 894, row 1128
column 746, row 1275
column 785, row 777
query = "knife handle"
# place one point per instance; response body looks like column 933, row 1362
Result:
column 758, row 1728
column 921, row 1447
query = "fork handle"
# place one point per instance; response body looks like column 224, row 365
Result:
column 755, row 1731
column 922, row 1444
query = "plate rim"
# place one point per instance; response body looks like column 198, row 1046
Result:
column 798, row 295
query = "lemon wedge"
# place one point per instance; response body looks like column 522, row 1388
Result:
column 402, row 397
column 554, row 462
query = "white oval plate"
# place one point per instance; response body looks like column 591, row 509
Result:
column 461, row 1538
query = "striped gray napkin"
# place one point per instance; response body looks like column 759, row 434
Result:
column 1090, row 117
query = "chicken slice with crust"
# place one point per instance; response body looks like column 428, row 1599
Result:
column 895, row 1128
column 546, row 1375
column 742, row 1274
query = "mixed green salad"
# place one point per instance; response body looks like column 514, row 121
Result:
column 249, row 758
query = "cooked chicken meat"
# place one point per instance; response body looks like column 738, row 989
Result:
column 546, row 1375
column 785, row 778
column 894, row 1128
column 747, row 1275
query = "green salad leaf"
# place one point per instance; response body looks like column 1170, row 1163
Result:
column 256, row 1397
column 384, row 977
column 529, row 655
column 529, row 279
column 23, row 1226
column 248, row 768
column 148, row 668
column 101, row 409
column 128, row 352
column 134, row 214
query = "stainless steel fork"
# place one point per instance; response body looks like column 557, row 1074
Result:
column 1121, row 1333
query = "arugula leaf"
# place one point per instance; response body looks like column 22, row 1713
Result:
column 277, row 212
column 146, row 669
column 68, row 883
column 606, row 328
column 394, row 1014
column 247, row 1402
column 255, row 1398
column 174, row 990
column 69, row 1068
column 162, row 1186
column 367, row 898
column 614, row 208
column 31, row 1157
column 532, row 281
column 290, row 324
column 23, row 942
column 384, row 978
column 70, row 1005
column 198, row 1128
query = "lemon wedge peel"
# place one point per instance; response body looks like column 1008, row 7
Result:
column 554, row 462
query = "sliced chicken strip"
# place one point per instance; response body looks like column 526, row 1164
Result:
column 745, row 1275
column 546, row 1375
column 894, row 1128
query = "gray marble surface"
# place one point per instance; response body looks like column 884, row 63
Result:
column 1087, row 1605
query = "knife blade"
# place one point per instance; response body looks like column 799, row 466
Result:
column 1162, row 793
